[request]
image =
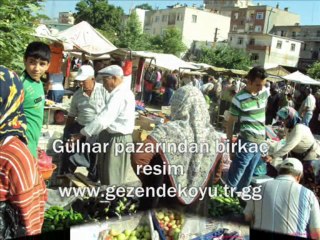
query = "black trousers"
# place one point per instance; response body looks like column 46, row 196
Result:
column 70, row 167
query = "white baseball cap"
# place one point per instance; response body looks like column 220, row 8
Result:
column 112, row 70
column 84, row 73
column 292, row 163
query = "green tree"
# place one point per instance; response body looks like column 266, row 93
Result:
column 132, row 36
column 101, row 15
column 145, row 6
column 17, row 24
column 172, row 41
column 314, row 70
column 226, row 57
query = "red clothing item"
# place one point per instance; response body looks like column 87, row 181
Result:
column 148, row 86
column 56, row 59
column 22, row 185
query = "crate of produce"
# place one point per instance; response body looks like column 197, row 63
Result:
column 222, row 205
column 168, row 223
column 135, row 227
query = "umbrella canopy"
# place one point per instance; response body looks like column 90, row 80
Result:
column 85, row 38
column 299, row 77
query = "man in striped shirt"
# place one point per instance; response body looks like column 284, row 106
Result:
column 249, row 105
column 286, row 206
column 21, row 186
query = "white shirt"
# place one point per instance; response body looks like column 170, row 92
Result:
column 286, row 207
column 118, row 116
column 310, row 102
column 57, row 81
column 299, row 140
column 86, row 108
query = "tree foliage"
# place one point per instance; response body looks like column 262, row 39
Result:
column 226, row 57
column 314, row 70
column 17, row 24
column 171, row 41
column 101, row 15
column 132, row 36
column 145, row 6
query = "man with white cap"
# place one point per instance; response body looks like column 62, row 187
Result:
column 87, row 102
column 114, row 125
column 286, row 206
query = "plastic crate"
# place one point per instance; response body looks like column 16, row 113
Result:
column 98, row 230
column 211, row 235
column 157, row 227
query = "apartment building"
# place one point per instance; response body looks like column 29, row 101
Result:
column 225, row 7
column 268, row 50
column 310, row 35
column 260, row 19
column 195, row 24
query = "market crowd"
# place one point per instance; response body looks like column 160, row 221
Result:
column 104, row 112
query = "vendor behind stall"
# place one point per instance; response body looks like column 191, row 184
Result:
column 114, row 125
column 87, row 102
column 301, row 144
column 22, row 190
column 190, row 124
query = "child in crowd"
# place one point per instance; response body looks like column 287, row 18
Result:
column 36, row 61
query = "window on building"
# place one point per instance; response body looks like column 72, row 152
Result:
column 257, row 28
column 230, row 39
column 254, row 57
column 240, row 41
column 294, row 34
column 283, row 33
column 236, row 15
column 234, row 28
column 172, row 19
column 157, row 19
column 252, row 41
column 194, row 18
column 318, row 33
column 293, row 47
column 179, row 17
column 241, row 22
column 305, row 47
column 164, row 18
column 252, row 16
column 279, row 44
column 260, row 15
column 251, row 28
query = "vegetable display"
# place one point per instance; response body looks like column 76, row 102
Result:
column 170, row 223
column 141, row 232
column 98, row 209
column 223, row 205
column 57, row 218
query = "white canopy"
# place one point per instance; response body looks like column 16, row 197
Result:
column 43, row 32
column 85, row 38
column 167, row 61
column 299, row 77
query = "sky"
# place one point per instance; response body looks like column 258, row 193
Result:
column 308, row 10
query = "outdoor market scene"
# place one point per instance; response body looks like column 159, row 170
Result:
column 131, row 127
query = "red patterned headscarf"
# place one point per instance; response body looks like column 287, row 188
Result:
column 12, row 118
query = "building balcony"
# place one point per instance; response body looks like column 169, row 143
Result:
column 257, row 47
column 307, row 38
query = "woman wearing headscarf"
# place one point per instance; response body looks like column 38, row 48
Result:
column 300, row 144
column 22, row 189
column 190, row 125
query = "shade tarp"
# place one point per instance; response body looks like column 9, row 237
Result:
column 238, row 72
column 277, row 71
column 84, row 37
column 166, row 61
column 300, row 78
